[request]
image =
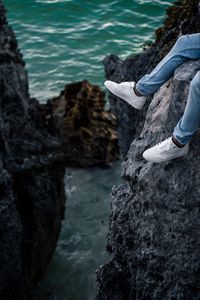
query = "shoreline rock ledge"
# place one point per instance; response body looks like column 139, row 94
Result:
column 31, row 178
column 154, row 224
column 88, row 131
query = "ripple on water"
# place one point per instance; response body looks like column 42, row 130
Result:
column 72, row 38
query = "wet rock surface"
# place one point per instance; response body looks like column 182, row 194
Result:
column 182, row 18
column 89, row 133
column 31, row 178
column 155, row 218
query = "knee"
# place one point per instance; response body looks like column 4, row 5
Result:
column 182, row 42
column 195, row 83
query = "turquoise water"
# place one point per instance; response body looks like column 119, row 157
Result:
column 81, row 247
column 64, row 41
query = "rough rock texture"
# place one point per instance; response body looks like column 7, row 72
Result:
column 89, row 133
column 155, row 221
column 31, row 178
column 182, row 18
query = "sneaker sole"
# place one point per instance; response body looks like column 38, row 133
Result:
column 172, row 160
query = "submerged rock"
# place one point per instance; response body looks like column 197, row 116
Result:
column 182, row 18
column 155, row 220
column 89, row 132
column 31, row 178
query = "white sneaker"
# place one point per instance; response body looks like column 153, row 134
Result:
column 165, row 151
column 125, row 91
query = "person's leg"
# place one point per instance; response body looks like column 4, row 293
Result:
column 190, row 121
column 186, row 47
column 178, row 145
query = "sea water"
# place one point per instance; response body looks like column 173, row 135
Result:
column 64, row 41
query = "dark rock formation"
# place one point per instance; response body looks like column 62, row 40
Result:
column 155, row 218
column 155, row 221
column 89, row 132
column 182, row 18
column 31, row 178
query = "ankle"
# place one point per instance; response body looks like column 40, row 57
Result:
column 137, row 92
column 179, row 145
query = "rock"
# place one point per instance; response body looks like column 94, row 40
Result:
column 89, row 132
column 155, row 219
column 154, row 224
column 182, row 18
column 31, row 178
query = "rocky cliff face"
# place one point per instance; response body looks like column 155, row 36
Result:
column 154, row 224
column 155, row 220
column 31, row 174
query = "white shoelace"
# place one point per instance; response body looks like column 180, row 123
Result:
column 127, row 84
column 165, row 145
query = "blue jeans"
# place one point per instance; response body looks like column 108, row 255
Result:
column 186, row 47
